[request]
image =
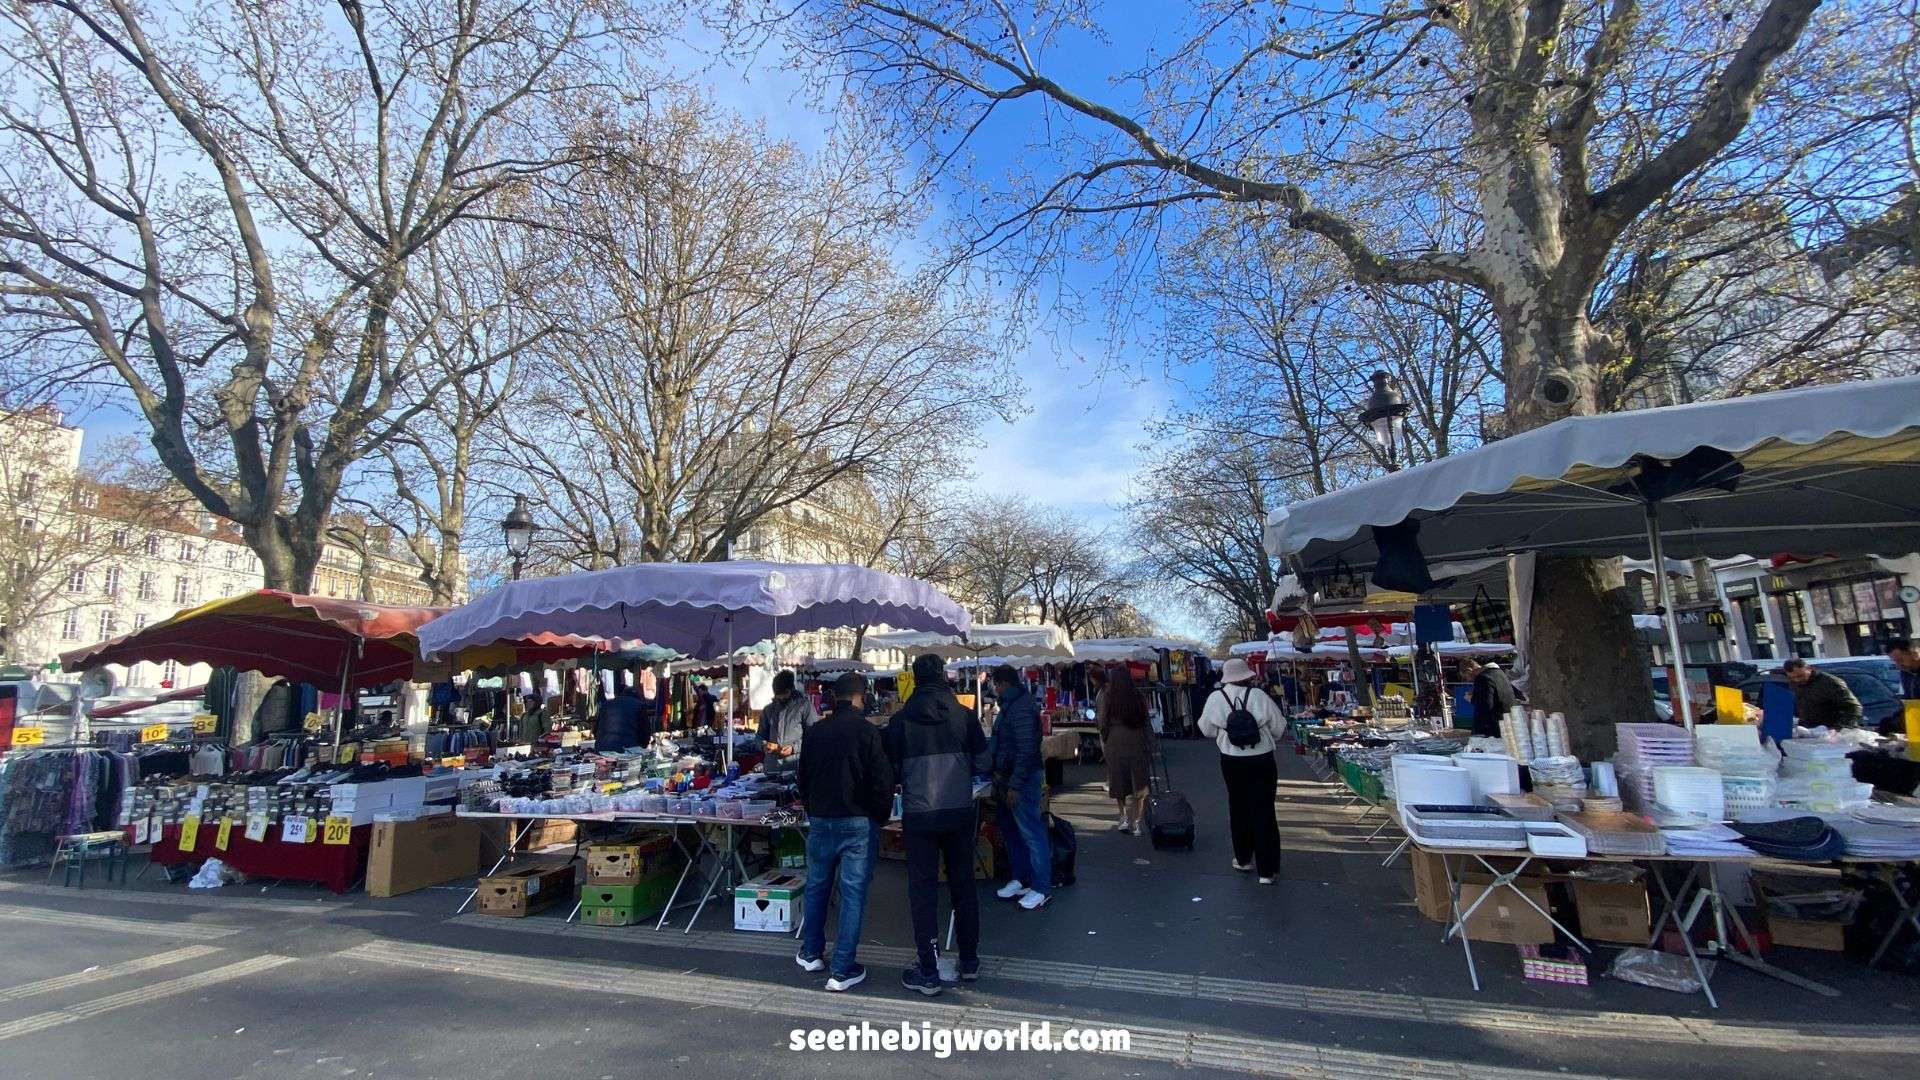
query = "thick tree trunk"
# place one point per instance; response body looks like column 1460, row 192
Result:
column 1586, row 659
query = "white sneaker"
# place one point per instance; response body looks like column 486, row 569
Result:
column 1242, row 867
column 1122, row 826
column 1034, row 900
column 1266, row 881
column 1012, row 890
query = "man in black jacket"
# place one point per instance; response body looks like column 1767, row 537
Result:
column 621, row 725
column 1492, row 695
column 936, row 746
column 1018, row 777
column 846, row 783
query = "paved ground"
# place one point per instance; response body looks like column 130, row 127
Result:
column 1331, row 973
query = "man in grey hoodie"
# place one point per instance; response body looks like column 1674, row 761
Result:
column 937, row 746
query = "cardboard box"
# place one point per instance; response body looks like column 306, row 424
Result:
column 1807, row 933
column 1613, row 911
column 1505, row 917
column 629, row 863
column 1430, row 880
column 766, row 903
column 624, row 905
column 405, row 856
column 517, row 893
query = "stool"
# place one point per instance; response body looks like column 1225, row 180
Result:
column 77, row 850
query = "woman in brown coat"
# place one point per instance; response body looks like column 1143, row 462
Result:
column 1122, row 715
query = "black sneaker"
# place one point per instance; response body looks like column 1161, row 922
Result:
column 914, row 979
column 848, row 981
column 970, row 972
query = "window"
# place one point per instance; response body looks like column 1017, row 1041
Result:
column 122, row 538
column 139, row 622
column 147, row 590
column 182, row 590
column 29, row 484
column 110, row 581
column 109, row 624
column 89, row 499
column 83, row 531
column 28, row 526
column 230, row 556
column 77, row 582
column 186, row 551
column 169, row 672
column 70, row 630
column 153, row 546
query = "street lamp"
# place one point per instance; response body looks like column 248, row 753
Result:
column 519, row 528
column 1385, row 418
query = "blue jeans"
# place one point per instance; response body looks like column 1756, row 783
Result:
column 1024, row 832
column 842, row 848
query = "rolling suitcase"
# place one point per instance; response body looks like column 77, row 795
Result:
column 1169, row 814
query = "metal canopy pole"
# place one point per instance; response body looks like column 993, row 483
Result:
column 340, row 707
column 1676, row 692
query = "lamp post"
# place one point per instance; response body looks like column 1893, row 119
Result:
column 1385, row 419
column 519, row 529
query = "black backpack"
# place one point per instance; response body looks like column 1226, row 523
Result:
column 1243, row 728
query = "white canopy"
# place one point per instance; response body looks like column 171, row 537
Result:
column 1008, row 639
column 1132, row 648
column 1821, row 469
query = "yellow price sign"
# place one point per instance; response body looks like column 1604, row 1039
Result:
column 190, row 832
column 256, row 826
column 314, row 722
column 29, row 736
column 153, row 733
column 338, row 831
column 205, row 724
column 226, row 833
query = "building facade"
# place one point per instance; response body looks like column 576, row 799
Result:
column 145, row 569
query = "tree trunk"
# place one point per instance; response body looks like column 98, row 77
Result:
column 1586, row 659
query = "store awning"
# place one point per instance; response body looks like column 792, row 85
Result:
column 1003, row 639
column 1821, row 469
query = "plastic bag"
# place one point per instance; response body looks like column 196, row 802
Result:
column 1663, row 971
column 214, row 873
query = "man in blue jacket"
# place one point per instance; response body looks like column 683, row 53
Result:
column 1018, row 774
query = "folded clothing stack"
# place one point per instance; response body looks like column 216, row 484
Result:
column 1802, row 839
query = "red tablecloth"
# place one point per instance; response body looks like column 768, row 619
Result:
column 337, row 866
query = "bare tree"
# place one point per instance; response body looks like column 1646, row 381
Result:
column 746, row 342
column 1072, row 575
column 222, row 205
column 1556, row 127
column 469, row 316
column 991, row 560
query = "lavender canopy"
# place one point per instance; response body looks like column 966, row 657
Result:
column 697, row 608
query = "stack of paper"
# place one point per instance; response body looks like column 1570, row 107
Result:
column 1707, row 840
column 1869, row 840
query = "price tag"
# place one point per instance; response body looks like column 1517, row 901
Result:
column 257, row 826
column 296, row 830
column 339, row 830
column 314, row 722
column 205, row 724
column 190, row 832
column 29, row 736
column 226, row 832
column 153, row 733
column 142, row 831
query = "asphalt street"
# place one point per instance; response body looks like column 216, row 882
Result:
column 1329, row 973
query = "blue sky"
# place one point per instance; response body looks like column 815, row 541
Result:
column 1079, row 444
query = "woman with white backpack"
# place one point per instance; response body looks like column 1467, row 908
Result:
column 1246, row 724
